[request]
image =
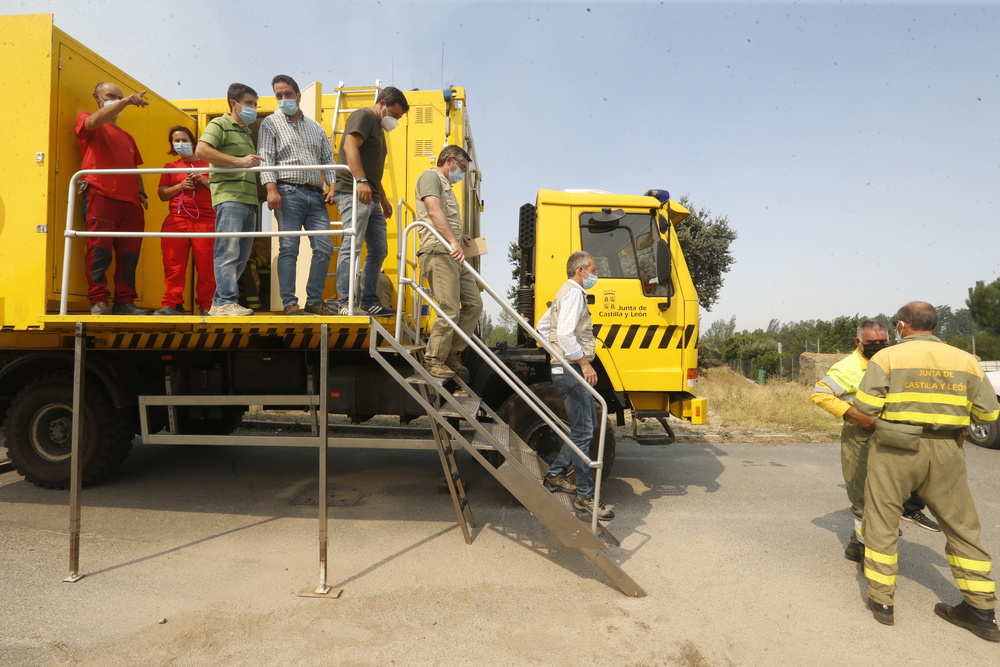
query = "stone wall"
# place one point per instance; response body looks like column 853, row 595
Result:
column 814, row 366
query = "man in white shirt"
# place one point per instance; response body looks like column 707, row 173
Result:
column 567, row 326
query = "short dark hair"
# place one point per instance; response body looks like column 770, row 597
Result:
column 179, row 128
column 392, row 97
column 238, row 90
column 284, row 78
column 920, row 315
column 456, row 152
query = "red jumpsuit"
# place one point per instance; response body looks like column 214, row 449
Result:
column 190, row 211
column 110, row 203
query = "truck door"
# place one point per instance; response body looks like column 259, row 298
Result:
column 640, row 322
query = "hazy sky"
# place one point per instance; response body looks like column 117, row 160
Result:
column 852, row 146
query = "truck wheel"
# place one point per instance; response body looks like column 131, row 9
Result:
column 39, row 432
column 985, row 436
column 538, row 435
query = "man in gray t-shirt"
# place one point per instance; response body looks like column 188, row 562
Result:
column 452, row 284
column 363, row 150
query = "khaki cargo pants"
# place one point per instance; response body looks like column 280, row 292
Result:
column 937, row 472
column 458, row 295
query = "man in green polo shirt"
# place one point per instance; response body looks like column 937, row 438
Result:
column 228, row 142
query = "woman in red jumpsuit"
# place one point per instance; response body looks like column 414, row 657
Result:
column 190, row 211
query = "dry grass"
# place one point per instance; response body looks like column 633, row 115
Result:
column 778, row 406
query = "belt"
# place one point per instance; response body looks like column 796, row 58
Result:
column 312, row 188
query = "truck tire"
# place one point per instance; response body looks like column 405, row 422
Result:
column 531, row 428
column 985, row 436
column 39, row 430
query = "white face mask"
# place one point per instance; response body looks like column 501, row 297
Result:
column 388, row 123
column 108, row 103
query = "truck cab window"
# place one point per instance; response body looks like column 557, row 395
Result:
column 627, row 252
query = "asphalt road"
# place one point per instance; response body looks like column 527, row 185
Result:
column 193, row 556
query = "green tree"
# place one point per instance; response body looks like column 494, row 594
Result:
column 706, row 240
column 984, row 305
column 501, row 331
column 514, row 257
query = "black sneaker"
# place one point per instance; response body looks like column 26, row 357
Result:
column 882, row 612
column 128, row 309
column 980, row 622
column 169, row 310
column 558, row 483
column 587, row 505
column 920, row 519
column 855, row 551
column 378, row 310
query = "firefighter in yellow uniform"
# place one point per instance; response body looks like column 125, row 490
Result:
column 925, row 393
column 835, row 394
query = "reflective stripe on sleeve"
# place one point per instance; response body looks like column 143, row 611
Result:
column 985, row 416
column 969, row 564
column 870, row 400
column 832, row 384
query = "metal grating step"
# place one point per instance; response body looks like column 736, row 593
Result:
column 500, row 432
column 470, row 404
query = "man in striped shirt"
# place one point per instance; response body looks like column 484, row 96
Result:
column 288, row 138
column 925, row 393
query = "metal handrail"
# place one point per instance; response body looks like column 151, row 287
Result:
column 502, row 370
column 71, row 233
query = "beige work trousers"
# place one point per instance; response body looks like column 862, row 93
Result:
column 456, row 291
column 937, row 472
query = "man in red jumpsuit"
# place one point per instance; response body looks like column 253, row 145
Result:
column 111, row 202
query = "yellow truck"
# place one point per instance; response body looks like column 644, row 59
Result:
column 645, row 308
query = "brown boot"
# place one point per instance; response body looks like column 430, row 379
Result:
column 437, row 369
column 454, row 362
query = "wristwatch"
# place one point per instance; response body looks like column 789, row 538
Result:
column 362, row 180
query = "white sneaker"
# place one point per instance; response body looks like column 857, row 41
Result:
column 229, row 310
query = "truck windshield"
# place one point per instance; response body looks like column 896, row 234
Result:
column 626, row 252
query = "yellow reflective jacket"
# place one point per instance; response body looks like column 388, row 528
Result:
column 835, row 392
column 927, row 382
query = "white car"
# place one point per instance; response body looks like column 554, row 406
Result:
column 989, row 435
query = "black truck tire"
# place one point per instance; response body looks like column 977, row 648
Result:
column 985, row 436
column 39, row 428
column 531, row 428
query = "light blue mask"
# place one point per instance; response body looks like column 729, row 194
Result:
column 589, row 281
column 183, row 148
column 456, row 176
column 289, row 107
column 247, row 114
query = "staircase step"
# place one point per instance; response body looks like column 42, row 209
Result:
column 470, row 404
column 501, row 432
column 659, row 439
column 388, row 349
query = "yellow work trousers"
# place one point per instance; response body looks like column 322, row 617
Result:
column 937, row 472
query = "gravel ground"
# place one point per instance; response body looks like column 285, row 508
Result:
column 193, row 556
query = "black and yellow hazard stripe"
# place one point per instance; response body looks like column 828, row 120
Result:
column 642, row 337
column 341, row 338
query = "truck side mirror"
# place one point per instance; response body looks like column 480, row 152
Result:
column 662, row 263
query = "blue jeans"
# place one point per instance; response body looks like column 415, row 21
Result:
column 582, row 413
column 302, row 209
column 231, row 253
column 371, row 230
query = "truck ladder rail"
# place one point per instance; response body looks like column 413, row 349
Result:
column 521, row 470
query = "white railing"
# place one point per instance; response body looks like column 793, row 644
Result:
column 501, row 369
column 71, row 233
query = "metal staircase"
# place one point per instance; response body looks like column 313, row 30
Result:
column 520, row 471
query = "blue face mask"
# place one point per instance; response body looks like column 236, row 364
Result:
column 456, row 176
column 589, row 281
column 247, row 114
column 183, row 148
column 289, row 107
